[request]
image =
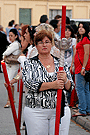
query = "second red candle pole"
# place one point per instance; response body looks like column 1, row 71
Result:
column 59, row 92
column 11, row 98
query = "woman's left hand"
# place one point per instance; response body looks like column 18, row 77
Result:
column 11, row 83
column 83, row 72
column 5, row 84
column 61, row 75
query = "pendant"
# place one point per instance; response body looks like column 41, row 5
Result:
column 48, row 66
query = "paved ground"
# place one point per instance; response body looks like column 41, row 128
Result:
column 76, row 129
column 6, row 120
column 82, row 121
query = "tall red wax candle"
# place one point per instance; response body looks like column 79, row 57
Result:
column 11, row 98
column 20, row 102
column 59, row 92
column 63, row 24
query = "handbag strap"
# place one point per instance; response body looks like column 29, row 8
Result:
column 79, row 58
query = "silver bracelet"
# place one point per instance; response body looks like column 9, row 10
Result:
column 83, row 68
column 66, row 81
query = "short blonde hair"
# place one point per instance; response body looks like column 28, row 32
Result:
column 41, row 35
column 46, row 27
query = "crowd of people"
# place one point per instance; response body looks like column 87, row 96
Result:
column 39, row 60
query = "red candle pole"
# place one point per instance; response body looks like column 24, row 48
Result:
column 11, row 98
column 59, row 92
column 20, row 102
column 63, row 22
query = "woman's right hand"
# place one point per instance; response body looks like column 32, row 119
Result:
column 58, row 84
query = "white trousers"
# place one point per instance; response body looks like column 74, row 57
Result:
column 12, row 71
column 42, row 121
column 65, row 121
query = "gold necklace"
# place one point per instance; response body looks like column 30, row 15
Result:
column 48, row 66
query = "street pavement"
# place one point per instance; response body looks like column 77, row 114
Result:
column 7, row 126
column 82, row 121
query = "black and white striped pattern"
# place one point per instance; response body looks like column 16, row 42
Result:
column 34, row 74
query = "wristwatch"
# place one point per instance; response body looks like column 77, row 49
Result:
column 83, row 68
